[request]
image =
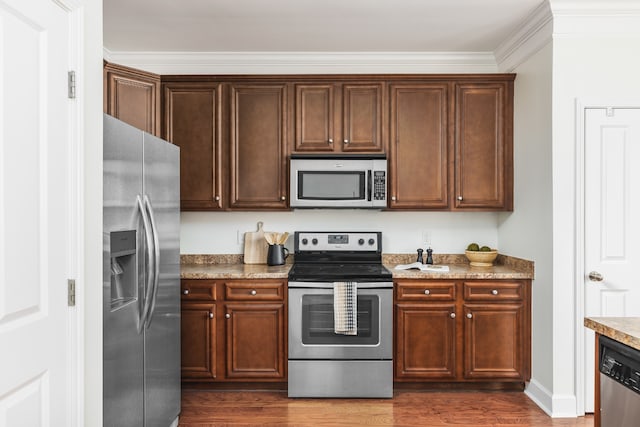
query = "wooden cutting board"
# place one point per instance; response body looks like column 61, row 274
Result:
column 255, row 246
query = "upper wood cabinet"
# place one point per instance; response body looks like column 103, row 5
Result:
column 483, row 146
column 132, row 96
column 258, row 146
column 192, row 116
column 419, row 146
column 339, row 117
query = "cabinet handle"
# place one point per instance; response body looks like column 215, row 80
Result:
column 427, row 291
column 330, row 141
column 186, row 292
column 452, row 315
column 210, row 315
column 346, row 142
column 228, row 316
column 459, row 198
column 253, row 292
column 469, row 315
column 393, row 198
column 494, row 292
column 217, row 198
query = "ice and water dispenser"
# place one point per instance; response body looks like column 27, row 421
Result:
column 123, row 268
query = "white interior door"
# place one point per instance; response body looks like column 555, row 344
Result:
column 34, row 213
column 612, row 228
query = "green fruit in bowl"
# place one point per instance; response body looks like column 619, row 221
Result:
column 473, row 247
column 485, row 249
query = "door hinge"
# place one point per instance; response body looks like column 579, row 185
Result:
column 71, row 83
column 71, row 293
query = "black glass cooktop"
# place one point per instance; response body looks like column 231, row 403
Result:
column 312, row 272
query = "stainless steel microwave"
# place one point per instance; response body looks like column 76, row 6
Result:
column 338, row 181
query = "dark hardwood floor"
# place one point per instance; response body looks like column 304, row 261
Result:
column 407, row 408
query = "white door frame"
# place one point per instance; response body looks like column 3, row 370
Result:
column 581, row 106
column 75, row 174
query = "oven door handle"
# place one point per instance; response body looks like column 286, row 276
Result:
column 329, row 285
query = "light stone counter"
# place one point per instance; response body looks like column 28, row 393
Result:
column 231, row 267
column 622, row 329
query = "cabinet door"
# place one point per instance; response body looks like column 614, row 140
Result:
column 255, row 341
column 484, row 146
column 198, row 341
column 315, row 117
column 133, row 96
column 494, row 345
column 418, row 152
column 362, row 117
column 258, row 163
column 425, row 341
column 192, row 121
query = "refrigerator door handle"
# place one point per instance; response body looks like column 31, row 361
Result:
column 149, row 279
column 156, row 257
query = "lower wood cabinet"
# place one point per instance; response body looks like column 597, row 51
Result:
column 198, row 340
column 233, row 330
column 463, row 331
column 255, row 341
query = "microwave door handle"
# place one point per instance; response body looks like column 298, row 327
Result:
column 369, row 189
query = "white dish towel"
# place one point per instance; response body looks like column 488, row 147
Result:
column 345, row 308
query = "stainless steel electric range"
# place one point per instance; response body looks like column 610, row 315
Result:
column 322, row 362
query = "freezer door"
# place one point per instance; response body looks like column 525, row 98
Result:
column 123, row 276
column 162, row 335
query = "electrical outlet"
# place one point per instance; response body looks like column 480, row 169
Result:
column 426, row 239
column 240, row 237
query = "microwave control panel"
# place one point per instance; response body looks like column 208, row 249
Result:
column 379, row 185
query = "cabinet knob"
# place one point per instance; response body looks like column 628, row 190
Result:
column 217, row 198
column 186, row 292
column 427, row 291
column 283, row 198
column 253, row 292
column 452, row 315
column 469, row 315
column 393, row 198
column 210, row 315
column 330, row 141
column 494, row 292
column 346, row 142
column 459, row 198
column 228, row 316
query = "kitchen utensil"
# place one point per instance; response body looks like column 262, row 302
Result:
column 283, row 238
column 277, row 254
column 269, row 237
column 255, row 246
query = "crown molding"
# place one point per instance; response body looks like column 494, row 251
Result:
column 533, row 33
column 595, row 18
column 306, row 62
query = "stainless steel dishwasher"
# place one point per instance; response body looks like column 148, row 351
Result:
column 619, row 384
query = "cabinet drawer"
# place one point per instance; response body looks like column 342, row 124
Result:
column 493, row 291
column 426, row 291
column 201, row 290
column 254, row 291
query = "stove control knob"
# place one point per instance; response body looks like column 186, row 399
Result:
column 314, row 241
column 305, row 241
column 361, row 242
column 371, row 241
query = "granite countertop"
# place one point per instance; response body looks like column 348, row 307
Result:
column 622, row 329
column 232, row 267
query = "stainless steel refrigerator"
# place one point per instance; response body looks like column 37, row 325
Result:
column 141, row 271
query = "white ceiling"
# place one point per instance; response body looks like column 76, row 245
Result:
column 311, row 25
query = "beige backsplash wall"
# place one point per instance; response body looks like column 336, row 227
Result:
column 449, row 232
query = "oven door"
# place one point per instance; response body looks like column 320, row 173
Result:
column 311, row 326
